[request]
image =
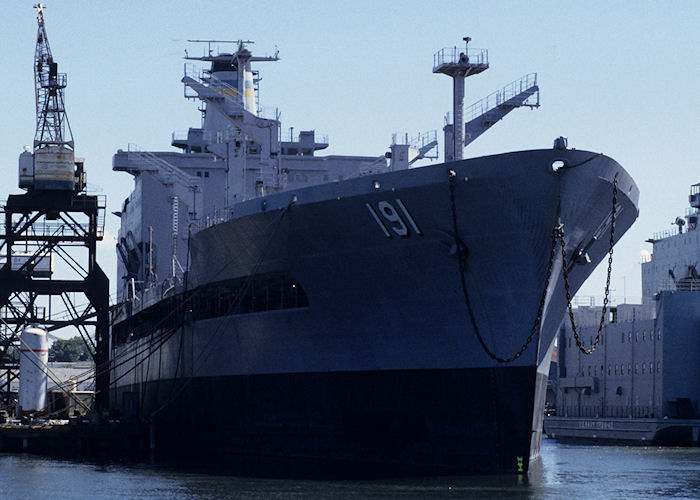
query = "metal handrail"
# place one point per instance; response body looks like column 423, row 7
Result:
column 179, row 135
column 59, row 80
column 292, row 137
column 161, row 164
column 420, row 140
column 666, row 233
column 451, row 55
column 500, row 96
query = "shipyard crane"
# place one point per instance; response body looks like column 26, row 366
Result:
column 52, row 127
column 54, row 220
column 51, row 165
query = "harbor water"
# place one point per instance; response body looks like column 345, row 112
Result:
column 564, row 470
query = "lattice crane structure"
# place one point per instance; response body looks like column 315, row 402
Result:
column 49, row 274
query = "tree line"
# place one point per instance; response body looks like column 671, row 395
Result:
column 65, row 351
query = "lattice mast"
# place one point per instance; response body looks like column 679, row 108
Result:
column 52, row 127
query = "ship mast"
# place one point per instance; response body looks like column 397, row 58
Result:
column 459, row 65
column 52, row 127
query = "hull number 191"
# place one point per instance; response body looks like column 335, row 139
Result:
column 392, row 220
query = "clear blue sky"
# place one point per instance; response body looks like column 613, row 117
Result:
column 616, row 77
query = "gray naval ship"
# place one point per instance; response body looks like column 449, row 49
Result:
column 351, row 314
column 642, row 383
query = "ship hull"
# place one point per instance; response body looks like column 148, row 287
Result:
column 417, row 422
column 378, row 362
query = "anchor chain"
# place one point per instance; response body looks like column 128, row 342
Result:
column 579, row 344
column 462, row 252
column 557, row 235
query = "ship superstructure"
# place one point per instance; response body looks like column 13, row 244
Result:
column 238, row 154
column 349, row 310
column 642, row 384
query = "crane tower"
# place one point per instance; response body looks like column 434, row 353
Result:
column 55, row 220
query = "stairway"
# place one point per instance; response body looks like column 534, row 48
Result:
column 484, row 113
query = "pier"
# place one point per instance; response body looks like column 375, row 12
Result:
column 76, row 438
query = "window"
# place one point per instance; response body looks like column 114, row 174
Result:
column 589, row 370
column 644, row 336
column 629, row 368
column 608, row 369
column 629, row 337
column 206, row 174
column 642, row 368
column 636, row 368
column 623, row 337
column 199, row 173
column 615, row 369
column 658, row 367
column 659, row 334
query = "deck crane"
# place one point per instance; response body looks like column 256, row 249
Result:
column 51, row 165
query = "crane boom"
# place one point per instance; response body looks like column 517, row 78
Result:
column 52, row 127
column 51, row 165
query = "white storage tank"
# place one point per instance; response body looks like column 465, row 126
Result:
column 33, row 360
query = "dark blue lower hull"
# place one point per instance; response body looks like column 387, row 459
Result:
column 413, row 422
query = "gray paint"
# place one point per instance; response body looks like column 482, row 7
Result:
column 648, row 363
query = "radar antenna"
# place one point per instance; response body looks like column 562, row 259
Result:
column 52, row 127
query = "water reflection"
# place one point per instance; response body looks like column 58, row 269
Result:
column 562, row 471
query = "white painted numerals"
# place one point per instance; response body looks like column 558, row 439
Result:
column 398, row 221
